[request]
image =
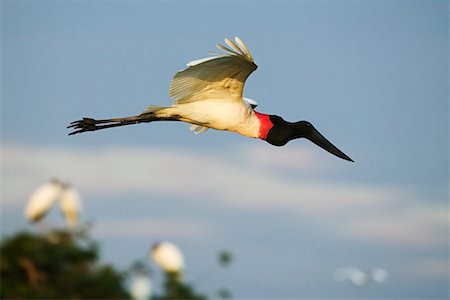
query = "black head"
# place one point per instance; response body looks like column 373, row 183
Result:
column 282, row 132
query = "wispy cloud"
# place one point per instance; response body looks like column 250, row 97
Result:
column 394, row 215
column 294, row 158
column 152, row 228
column 430, row 267
column 417, row 225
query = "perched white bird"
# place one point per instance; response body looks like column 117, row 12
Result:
column 70, row 205
column 208, row 94
column 140, row 287
column 42, row 200
column 379, row 275
column 359, row 277
column 168, row 257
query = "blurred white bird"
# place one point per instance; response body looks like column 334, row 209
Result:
column 70, row 205
column 45, row 196
column 208, row 94
column 140, row 287
column 379, row 275
column 168, row 256
column 42, row 200
column 360, row 278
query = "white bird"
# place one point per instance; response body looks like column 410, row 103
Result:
column 359, row 277
column 140, row 287
column 208, row 94
column 379, row 275
column 70, row 205
column 42, row 200
column 44, row 197
column 168, row 256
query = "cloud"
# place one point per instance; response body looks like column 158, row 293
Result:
column 394, row 215
column 151, row 228
column 292, row 158
column 420, row 226
column 429, row 267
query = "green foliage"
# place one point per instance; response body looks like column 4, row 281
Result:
column 56, row 265
column 175, row 288
column 63, row 264
column 225, row 258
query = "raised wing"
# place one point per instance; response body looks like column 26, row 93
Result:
column 220, row 77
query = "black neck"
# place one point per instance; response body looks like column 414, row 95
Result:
column 281, row 132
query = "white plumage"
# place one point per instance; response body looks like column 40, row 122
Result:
column 41, row 200
column 208, row 93
column 379, row 275
column 360, row 278
column 168, row 256
column 140, row 287
column 70, row 206
column 44, row 197
column 250, row 102
column 218, row 78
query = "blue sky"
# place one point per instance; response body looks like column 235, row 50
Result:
column 372, row 76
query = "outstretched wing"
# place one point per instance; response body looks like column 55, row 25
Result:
column 219, row 77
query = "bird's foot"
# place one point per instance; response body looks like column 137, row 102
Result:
column 86, row 124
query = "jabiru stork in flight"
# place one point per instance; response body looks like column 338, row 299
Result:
column 208, row 94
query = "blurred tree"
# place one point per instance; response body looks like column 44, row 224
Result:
column 225, row 258
column 63, row 264
column 175, row 288
column 56, row 265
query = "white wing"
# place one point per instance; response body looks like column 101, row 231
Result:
column 42, row 200
column 220, row 77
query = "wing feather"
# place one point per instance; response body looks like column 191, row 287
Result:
column 235, row 47
column 242, row 46
column 221, row 77
column 226, row 49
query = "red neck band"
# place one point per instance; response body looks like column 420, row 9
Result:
column 264, row 125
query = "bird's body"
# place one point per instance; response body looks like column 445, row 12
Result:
column 230, row 116
column 42, row 200
column 44, row 197
column 168, row 257
column 70, row 206
column 359, row 277
column 140, row 287
column 209, row 94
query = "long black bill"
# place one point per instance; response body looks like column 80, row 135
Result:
column 317, row 138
